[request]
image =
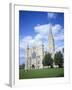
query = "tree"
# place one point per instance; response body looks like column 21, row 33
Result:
column 58, row 59
column 47, row 60
column 22, row 66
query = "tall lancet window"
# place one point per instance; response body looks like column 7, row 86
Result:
column 33, row 55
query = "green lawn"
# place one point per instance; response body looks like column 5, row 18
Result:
column 41, row 73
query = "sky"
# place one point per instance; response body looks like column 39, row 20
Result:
column 34, row 27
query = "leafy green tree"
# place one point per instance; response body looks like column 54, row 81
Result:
column 58, row 59
column 47, row 60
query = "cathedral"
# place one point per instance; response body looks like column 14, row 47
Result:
column 35, row 54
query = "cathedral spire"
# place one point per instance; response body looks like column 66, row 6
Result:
column 51, row 44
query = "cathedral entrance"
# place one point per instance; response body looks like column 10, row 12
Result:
column 33, row 66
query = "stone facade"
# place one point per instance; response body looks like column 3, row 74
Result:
column 34, row 57
column 35, row 54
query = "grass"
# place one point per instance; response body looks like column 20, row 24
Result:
column 41, row 73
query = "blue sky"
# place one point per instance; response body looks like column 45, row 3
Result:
column 33, row 29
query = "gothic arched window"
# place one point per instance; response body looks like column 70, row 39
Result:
column 33, row 55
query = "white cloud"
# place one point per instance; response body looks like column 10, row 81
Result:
column 52, row 15
column 24, row 41
column 38, row 37
column 59, row 37
column 28, row 40
column 56, row 28
column 42, row 29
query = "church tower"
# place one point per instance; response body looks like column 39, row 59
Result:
column 51, row 44
column 27, row 54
